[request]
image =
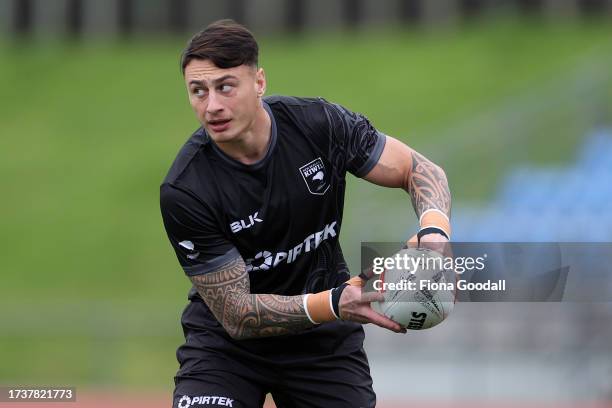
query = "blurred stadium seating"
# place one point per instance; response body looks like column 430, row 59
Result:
column 548, row 204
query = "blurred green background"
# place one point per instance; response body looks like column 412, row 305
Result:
column 91, row 292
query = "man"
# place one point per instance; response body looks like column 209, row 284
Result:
column 253, row 206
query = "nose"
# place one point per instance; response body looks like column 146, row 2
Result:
column 214, row 104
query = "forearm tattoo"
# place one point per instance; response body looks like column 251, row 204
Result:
column 245, row 315
column 428, row 186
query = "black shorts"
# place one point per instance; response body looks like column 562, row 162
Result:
column 322, row 367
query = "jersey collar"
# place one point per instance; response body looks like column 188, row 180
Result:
column 259, row 164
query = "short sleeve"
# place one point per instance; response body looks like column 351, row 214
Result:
column 199, row 244
column 360, row 142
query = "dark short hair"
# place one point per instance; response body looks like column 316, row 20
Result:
column 225, row 43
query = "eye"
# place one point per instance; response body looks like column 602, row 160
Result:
column 226, row 88
column 199, row 92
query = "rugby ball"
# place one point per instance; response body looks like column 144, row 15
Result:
column 419, row 291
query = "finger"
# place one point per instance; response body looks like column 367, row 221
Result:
column 434, row 242
column 432, row 245
column 442, row 246
column 413, row 242
column 369, row 297
column 356, row 281
column 382, row 321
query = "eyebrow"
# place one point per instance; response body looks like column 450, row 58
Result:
column 214, row 81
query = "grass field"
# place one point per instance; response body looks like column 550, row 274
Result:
column 91, row 291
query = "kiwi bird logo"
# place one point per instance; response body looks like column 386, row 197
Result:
column 315, row 176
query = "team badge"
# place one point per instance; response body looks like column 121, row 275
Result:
column 315, row 176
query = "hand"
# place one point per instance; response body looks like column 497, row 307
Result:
column 438, row 243
column 355, row 307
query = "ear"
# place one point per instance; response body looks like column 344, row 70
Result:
column 260, row 82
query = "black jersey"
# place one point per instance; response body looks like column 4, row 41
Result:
column 282, row 214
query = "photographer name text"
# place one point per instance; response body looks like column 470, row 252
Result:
column 431, row 285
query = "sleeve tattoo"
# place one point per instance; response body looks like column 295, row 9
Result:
column 428, row 186
column 246, row 315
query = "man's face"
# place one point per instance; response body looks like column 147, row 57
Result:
column 224, row 100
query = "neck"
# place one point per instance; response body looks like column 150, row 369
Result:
column 252, row 145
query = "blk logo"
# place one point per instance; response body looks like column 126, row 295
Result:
column 238, row 226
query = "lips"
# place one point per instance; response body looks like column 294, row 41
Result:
column 219, row 125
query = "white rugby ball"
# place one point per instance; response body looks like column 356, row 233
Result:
column 425, row 303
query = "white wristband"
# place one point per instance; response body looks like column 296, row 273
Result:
column 436, row 210
column 331, row 305
column 306, row 308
